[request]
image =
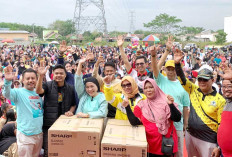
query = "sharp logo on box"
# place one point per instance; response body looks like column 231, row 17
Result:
column 61, row 135
column 114, row 149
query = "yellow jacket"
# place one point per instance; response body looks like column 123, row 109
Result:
column 116, row 101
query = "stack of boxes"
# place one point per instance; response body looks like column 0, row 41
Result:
column 82, row 137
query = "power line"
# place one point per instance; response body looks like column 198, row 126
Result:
column 83, row 22
column 132, row 20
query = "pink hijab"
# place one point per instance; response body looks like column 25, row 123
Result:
column 158, row 106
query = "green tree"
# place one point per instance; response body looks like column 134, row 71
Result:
column 146, row 33
column 164, row 24
column 221, row 37
column 64, row 27
column 191, row 30
column 16, row 26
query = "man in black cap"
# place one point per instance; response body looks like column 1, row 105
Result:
column 205, row 111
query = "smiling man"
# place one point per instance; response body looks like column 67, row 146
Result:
column 59, row 98
column 205, row 111
column 224, row 132
column 29, row 122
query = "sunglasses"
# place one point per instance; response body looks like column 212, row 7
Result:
column 138, row 64
column 202, row 80
column 128, row 85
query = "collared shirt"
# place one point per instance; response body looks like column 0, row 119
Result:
column 205, row 110
column 139, row 78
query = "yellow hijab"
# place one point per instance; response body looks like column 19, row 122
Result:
column 134, row 86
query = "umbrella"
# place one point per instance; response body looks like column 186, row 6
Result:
column 55, row 42
column 150, row 38
column 7, row 41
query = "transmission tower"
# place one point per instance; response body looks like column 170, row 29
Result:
column 82, row 22
column 132, row 20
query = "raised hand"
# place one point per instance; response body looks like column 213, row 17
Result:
column 100, row 60
column 120, row 40
column 178, row 56
column 153, row 50
column 169, row 43
column 63, row 47
column 90, row 56
column 41, row 69
column 170, row 99
column 9, row 75
column 139, row 52
column 125, row 102
column 82, row 61
column 227, row 72
column 108, row 79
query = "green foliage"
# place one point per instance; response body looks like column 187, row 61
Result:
column 146, row 33
column 164, row 24
column 191, row 30
column 15, row 26
column 91, row 36
column 64, row 27
column 116, row 33
column 221, row 37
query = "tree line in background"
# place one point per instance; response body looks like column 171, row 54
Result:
column 162, row 24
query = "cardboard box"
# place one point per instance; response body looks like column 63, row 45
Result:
column 75, row 137
column 120, row 139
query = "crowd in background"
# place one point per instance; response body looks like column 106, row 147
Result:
column 172, row 92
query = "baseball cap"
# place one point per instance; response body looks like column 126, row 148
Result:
column 170, row 63
column 205, row 73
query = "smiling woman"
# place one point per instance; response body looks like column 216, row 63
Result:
column 92, row 102
column 130, row 96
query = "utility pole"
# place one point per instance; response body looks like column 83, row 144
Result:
column 132, row 20
column 33, row 24
column 115, row 28
column 82, row 22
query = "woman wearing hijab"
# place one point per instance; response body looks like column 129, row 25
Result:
column 92, row 102
column 130, row 95
column 157, row 114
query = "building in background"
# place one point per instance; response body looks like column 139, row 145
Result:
column 14, row 35
column 228, row 28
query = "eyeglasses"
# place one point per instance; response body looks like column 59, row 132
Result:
column 138, row 64
column 202, row 80
column 227, row 87
column 128, row 85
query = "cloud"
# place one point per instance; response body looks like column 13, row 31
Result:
column 208, row 13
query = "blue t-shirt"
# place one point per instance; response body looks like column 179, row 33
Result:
column 180, row 96
column 29, row 107
column 217, row 60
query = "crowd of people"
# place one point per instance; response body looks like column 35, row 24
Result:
column 174, row 93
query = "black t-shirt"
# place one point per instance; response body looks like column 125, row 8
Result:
column 7, row 137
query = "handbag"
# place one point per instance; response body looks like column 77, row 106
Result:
column 167, row 143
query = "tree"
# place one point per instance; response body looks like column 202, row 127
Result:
column 146, row 33
column 221, row 37
column 164, row 24
column 16, row 26
column 64, row 27
column 191, row 30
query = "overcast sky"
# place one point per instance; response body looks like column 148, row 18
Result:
column 202, row 13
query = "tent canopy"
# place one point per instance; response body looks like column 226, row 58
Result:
column 151, row 38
